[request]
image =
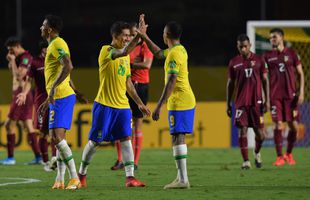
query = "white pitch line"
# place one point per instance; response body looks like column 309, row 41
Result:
column 19, row 181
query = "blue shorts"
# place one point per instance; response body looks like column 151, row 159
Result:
column 60, row 115
column 109, row 124
column 181, row 121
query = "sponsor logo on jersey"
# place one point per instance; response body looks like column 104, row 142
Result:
column 272, row 59
column 237, row 65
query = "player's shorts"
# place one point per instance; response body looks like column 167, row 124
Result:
column 23, row 112
column 60, row 114
column 109, row 124
column 285, row 110
column 143, row 92
column 181, row 121
column 40, row 120
column 249, row 116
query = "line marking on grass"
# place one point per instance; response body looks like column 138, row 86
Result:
column 18, row 181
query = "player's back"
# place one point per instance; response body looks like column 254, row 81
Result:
column 182, row 97
column 113, row 75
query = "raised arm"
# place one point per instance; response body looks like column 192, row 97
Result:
column 158, row 52
column 124, row 52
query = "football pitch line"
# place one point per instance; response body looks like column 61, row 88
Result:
column 18, row 181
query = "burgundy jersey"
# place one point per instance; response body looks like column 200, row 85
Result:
column 247, row 74
column 140, row 75
column 281, row 66
column 24, row 60
column 36, row 71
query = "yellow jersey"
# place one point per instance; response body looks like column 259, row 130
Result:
column 56, row 50
column 182, row 97
column 113, row 75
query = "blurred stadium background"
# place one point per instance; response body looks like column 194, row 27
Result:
column 210, row 31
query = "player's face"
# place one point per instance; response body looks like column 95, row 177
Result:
column 165, row 35
column 45, row 30
column 244, row 47
column 13, row 50
column 133, row 32
column 123, row 39
column 275, row 39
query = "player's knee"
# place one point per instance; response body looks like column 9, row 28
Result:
column 178, row 139
column 8, row 126
column 293, row 126
column 278, row 125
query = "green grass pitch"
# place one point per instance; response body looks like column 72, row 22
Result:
column 213, row 174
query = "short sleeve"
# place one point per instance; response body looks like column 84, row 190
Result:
column 25, row 61
column 61, row 49
column 296, row 59
column 105, row 55
column 173, row 63
column 264, row 66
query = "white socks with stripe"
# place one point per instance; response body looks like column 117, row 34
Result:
column 180, row 155
column 88, row 153
column 128, row 157
column 66, row 156
column 61, row 168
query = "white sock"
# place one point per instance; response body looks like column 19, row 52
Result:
column 88, row 153
column 61, row 168
column 180, row 155
column 128, row 157
column 66, row 156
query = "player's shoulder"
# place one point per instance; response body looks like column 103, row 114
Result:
column 178, row 51
column 58, row 42
column 290, row 50
column 257, row 56
column 236, row 59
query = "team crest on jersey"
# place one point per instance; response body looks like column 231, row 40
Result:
column 253, row 62
column 286, row 58
column 25, row 61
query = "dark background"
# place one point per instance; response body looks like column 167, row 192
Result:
column 210, row 26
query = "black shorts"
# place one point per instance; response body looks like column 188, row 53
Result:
column 143, row 92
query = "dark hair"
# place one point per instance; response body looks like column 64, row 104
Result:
column 54, row 22
column 117, row 27
column 43, row 44
column 277, row 30
column 174, row 30
column 133, row 24
column 242, row 38
column 12, row 41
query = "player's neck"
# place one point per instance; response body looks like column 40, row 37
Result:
column 51, row 37
column 172, row 43
column 280, row 47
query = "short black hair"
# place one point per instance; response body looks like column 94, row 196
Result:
column 54, row 22
column 43, row 44
column 174, row 30
column 12, row 41
column 277, row 30
column 118, row 27
column 243, row 37
column 133, row 24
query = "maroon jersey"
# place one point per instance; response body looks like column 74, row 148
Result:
column 24, row 60
column 247, row 74
column 281, row 66
column 36, row 71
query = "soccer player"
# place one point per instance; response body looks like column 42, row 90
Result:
column 178, row 93
column 19, row 60
column 141, row 59
column 283, row 62
column 111, row 118
column 36, row 72
column 61, row 98
column 247, row 75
